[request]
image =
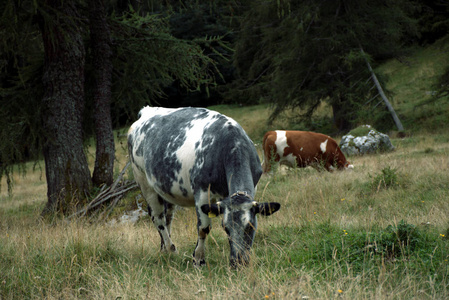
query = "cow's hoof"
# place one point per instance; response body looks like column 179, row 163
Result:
column 198, row 263
column 171, row 249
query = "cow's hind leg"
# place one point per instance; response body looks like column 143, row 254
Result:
column 270, row 159
column 161, row 214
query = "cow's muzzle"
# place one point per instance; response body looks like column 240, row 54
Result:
column 241, row 260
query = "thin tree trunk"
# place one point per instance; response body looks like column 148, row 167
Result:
column 67, row 172
column 101, row 56
column 382, row 94
column 341, row 116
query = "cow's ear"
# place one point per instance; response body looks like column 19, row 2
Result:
column 212, row 210
column 268, row 208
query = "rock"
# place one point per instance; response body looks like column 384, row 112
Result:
column 130, row 217
column 365, row 139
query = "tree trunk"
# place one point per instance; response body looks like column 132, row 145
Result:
column 382, row 94
column 101, row 56
column 341, row 115
column 67, row 172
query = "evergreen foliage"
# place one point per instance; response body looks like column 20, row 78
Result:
column 433, row 19
column 147, row 58
column 21, row 68
column 299, row 53
column 192, row 21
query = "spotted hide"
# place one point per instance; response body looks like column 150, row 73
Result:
column 301, row 149
column 197, row 157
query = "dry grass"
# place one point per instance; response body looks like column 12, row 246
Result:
column 66, row 260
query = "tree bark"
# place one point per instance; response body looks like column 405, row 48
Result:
column 67, row 172
column 341, row 118
column 101, row 56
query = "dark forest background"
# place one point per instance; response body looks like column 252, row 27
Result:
column 75, row 69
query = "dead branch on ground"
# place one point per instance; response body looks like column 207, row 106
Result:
column 112, row 194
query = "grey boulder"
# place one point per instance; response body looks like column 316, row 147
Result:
column 365, row 140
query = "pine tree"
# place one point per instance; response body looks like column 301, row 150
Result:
column 100, row 36
column 66, row 169
column 300, row 53
column 45, row 63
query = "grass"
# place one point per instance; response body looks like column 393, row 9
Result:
column 336, row 235
column 377, row 232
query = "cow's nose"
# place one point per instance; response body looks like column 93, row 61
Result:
column 239, row 261
column 233, row 263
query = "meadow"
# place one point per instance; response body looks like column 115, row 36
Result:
column 379, row 231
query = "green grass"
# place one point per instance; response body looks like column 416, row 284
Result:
column 412, row 83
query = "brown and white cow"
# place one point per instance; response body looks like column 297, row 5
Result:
column 302, row 149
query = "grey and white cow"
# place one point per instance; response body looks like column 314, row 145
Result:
column 197, row 157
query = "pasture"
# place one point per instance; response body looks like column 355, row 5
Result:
column 377, row 232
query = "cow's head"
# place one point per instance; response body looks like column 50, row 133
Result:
column 240, row 222
column 346, row 166
column 342, row 164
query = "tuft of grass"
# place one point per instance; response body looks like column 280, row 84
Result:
column 388, row 178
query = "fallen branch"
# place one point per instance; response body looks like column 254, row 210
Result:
column 382, row 94
column 113, row 193
column 105, row 214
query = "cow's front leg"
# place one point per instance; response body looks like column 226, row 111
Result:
column 157, row 209
column 169, row 212
column 203, row 227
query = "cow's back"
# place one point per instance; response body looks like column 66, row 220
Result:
column 308, row 145
column 301, row 148
column 188, row 149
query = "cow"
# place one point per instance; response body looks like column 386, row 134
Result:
column 195, row 157
column 302, row 149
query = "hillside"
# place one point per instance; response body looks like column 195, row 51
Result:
column 413, row 82
column 410, row 85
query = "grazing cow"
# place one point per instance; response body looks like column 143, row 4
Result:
column 301, row 149
column 197, row 157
